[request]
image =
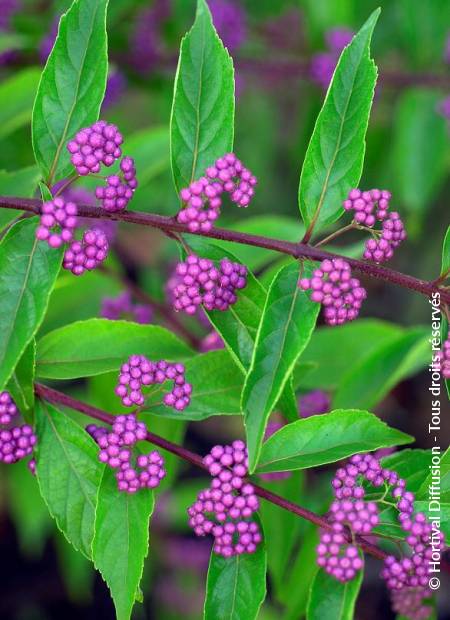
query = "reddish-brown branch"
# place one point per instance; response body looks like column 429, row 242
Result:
column 297, row 250
column 53, row 396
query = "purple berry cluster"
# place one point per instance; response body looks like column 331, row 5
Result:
column 87, row 254
column 122, row 306
column 224, row 508
column 202, row 283
column 202, row 199
column 139, row 372
column 120, row 189
column 116, row 451
column 93, row 146
column 16, row 442
column 408, row 603
column 58, row 222
column 405, row 574
column 8, row 408
column 368, row 207
column 323, row 64
column 445, row 358
column 333, row 286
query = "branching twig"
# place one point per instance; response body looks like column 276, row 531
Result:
column 297, row 250
column 53, row 396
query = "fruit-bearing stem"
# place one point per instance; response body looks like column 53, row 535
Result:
column 53, row 396
column 296, row 250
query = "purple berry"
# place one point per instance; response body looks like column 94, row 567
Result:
column 8, row 408
column 333, row 286
column 202, row 283
column 139, row 372
column 87, row 254
column 120, row 189
column 58, row 221
column 93, row 146
column 202, row 199
column 223, row 509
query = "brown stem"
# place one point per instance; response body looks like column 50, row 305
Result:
column 53, row 396
column 166, row 313
column 297, row 250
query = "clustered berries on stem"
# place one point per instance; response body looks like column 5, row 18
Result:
column 202, row 199
column 225, row 508
column 406, row 576
column 58, row 222
column 445, row 358
column 368, row 207
column 138, row 371
column 86, row 254
column 202, row 283
column 114, row 308
column 16, row 442
column 91, row 148
column 116, row 451
column 333, row 286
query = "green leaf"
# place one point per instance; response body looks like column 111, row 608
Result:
column 69, row 474
column 28, row 270
column 327, row 438
column 335, row 155
column 18, row 183
column 17, row 94
column 72, row 85
column 21, row 383
column 355, row 341
column 411, row 465
column 202, row 120
column 95, row 346
column 445, row 267
column 239, row 324
column 284, row 331
column 378, row 373
column 419, row 149
column 121, row 540
column 281, row 527
column 217, row 385
column 329, row 599
column 236, row 586
column 298, row 583
column 150, row 151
